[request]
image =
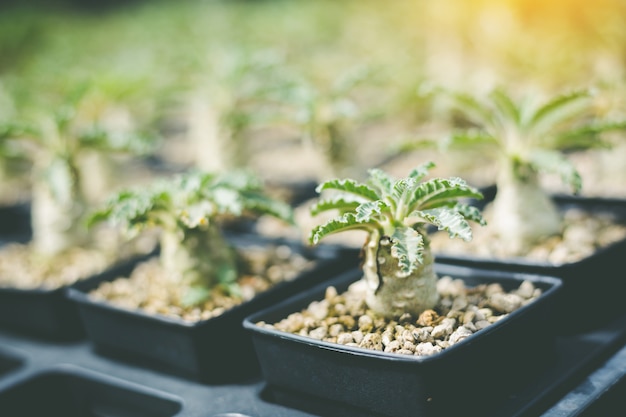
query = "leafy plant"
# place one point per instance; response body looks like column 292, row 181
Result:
column 526, row 139
column 56, row 141
column 395, row 213
column 232, row 96
column 326, row 112
column 187, row 210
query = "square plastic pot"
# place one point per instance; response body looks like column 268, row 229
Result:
column 342, row 380
column 593, row 289
column 213, row 350
column 43, row 313
column 70, row 391
column 15, row 223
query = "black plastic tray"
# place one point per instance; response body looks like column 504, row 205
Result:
column 578, row 358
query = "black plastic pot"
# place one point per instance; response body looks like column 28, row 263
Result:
column 15, row 223
column 70, row 391
column 213, row 350
column 360, row 382
column 592, row 287
column 43, row 313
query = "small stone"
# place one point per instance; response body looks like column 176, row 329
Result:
column 372, row 341
column 459, row 334
column 428, row 318
column 393, row 346
column 318, row 333
column 331, row 293
column 357, row 336
column 506, row 303
column 422, row 334
column 345, row 338
column 365, row 323
column 526, row 289
column 387, row 337
column 426, row 349
column 481, row 324
column 444, row 329
column 335, row 330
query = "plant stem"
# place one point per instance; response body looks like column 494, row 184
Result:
column 391, row 293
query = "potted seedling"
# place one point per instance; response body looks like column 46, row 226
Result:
column 387, row 337
column 530, row 229
column 181, row 310
column 35, row 275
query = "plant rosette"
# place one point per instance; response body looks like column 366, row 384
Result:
column 181, row 311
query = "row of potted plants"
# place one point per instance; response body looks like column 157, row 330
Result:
column 400, row 288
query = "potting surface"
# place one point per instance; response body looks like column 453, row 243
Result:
column 588, row 373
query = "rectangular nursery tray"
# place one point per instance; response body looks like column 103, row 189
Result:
column 495, row 360
column 590, row 282
column 547, row 395
column 217, row 349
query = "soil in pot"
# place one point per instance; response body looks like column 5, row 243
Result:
column 583, row 234
column 462, row 311
column 150, row 289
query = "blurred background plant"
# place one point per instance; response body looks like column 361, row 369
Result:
column 232, row 70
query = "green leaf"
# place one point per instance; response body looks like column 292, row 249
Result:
column 586, row 137
column 505, row 107
column 560, row 109
column 351, row 187
column 366, row 212
column 261, row 204
column 438, row 191
column 195, row 295
column 408, row 248
column 476, row 111
column 554, row 162
column 382, row 181
column 470, row 213
column 344, row 223
column 338, row 203
column 421, row 171
column 449, row 220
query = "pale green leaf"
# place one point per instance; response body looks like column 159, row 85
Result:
column 439, row 191
column 337, row 203
column 561, row 109
column 344, row 223
column 554, row 162
column 408, row 248
column 367, row 212
column 351, row 187
column 449, row 220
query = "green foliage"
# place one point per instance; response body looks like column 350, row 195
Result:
column 189, row 208
column 190, row 201
column 399, row 209
column 533, row 134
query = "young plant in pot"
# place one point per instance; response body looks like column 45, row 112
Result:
column 403, row 335
column 181, row 311
column 34, row 275
column 531, row 230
